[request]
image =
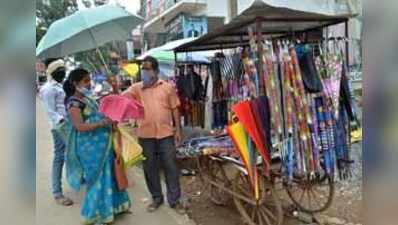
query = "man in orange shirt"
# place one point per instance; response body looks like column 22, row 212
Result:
column 156, row 133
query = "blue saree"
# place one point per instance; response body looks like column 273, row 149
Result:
column 89, row 162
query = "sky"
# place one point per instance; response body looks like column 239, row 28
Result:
column 131, row 5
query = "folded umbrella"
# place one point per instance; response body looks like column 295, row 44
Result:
column 244, row 113
column 257, row 117
column 238, row 135
column 265, row 115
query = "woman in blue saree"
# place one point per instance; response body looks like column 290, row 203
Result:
column 90, row 153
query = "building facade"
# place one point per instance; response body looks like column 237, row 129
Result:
column 167, row 20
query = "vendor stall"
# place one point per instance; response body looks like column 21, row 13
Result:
column 281, row 94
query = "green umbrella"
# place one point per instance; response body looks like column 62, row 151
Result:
column 85, row 30
column 164, row 56
column 165, row 53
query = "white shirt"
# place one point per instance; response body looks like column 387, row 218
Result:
column 53, row 97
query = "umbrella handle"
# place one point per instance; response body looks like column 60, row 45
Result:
column 103, row 60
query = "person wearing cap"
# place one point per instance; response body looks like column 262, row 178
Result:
column 53, row 97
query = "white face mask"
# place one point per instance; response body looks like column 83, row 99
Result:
column 85, row 91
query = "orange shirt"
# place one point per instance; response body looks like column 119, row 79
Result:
column 158, row 101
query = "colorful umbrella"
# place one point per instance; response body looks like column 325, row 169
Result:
column 246, row 117
column 241, row 140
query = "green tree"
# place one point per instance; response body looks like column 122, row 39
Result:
column 50, row 11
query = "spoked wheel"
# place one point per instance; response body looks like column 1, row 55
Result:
column 212, row 170
column 265, row 211
column 217, row 174
column 311, row 194
column 321, row 174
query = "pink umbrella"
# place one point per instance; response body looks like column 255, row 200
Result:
column 120, row 108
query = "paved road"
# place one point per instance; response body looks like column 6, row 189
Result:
column 48, row 213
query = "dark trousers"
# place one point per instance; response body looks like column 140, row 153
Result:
column 161, row 152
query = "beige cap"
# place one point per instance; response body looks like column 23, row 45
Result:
column 54, row 66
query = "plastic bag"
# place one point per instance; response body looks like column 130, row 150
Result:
column 131, row 150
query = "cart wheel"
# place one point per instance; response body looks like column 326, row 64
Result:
column 212, row 170
column 311, row 194
column 267, row 210
column 322, row 175
column 217, row 174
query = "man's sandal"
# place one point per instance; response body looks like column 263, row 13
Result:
column 64, row 201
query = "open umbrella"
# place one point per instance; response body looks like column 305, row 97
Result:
column 120, row 108
column 87, row 29
column 165, row 53
column 168, row 56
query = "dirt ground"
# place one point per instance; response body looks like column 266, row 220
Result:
column 345, row 208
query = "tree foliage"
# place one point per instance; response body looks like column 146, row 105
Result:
column 46, row 14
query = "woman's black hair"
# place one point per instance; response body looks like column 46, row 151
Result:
column 75, row 76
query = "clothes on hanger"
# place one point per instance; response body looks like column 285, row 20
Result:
column 311, row 79
column 302, row 107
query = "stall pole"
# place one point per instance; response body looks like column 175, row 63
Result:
column 260, row 54
column 346, row 43
column 175, row 64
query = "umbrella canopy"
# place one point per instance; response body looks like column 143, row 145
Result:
column 85, row 30
column 165, row 53
column 168, row 57
column 120, row 108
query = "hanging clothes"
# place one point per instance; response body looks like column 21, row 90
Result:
column 190, row 85
column 345, row 94
column 311, row 79
column 209, row 116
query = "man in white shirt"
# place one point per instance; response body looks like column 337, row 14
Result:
column 53, row 97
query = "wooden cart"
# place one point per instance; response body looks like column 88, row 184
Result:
column 225, row 178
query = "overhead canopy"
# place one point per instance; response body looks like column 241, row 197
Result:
column 165, row 53
column 278, row 19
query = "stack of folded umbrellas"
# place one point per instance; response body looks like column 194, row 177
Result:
column 208, row 145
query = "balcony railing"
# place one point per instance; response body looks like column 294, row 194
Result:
column 152, row 8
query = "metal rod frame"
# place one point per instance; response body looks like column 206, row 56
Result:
column 227, row 30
